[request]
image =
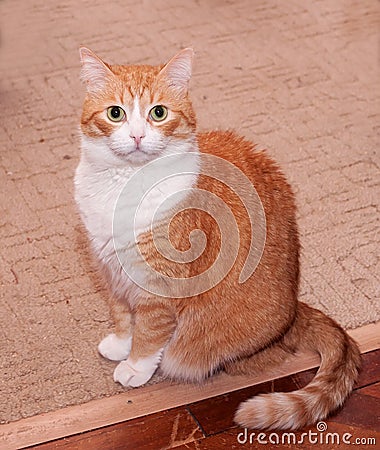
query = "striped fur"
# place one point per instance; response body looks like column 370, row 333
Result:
column 340, row 363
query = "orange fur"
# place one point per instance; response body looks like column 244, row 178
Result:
column 240, row 328
column 123, row 85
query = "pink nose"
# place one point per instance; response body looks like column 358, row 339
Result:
column 137, row 139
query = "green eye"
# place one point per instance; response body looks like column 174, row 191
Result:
column 115, row 113
column 159, row 113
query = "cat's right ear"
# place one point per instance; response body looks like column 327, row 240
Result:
column 95, row 72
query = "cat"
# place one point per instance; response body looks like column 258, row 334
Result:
column 137, row 126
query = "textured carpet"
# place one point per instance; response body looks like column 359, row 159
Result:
column 299, row 78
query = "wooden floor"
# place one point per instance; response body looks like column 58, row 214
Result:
column 208, row 424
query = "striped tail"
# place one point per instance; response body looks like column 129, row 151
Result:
column 334, row 381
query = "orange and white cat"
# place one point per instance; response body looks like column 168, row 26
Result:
column 135, row 117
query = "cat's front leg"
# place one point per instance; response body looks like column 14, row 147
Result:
column 117, row 346
column 136, row 372
column 153, row 327
column 114, row 347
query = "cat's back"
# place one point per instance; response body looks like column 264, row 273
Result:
column 262, row 171
column 281, row 244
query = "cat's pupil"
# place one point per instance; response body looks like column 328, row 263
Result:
column 115, row 112
column 159, row 111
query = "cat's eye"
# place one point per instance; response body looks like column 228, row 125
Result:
column 159, row 113
column 115, row 113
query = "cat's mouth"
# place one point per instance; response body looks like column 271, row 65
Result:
column 136, row 155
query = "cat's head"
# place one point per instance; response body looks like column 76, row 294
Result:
column 133, row 114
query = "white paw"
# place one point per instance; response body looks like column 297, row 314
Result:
column 137, row 373
column 115, row 348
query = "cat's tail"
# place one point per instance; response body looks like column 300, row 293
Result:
column 340, row 363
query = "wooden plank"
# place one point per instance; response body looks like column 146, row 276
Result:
column 368, row 337
column 214, row 415
column 151, row 399
column 373, row 390
column 217, row 414
column 158, row 431
column 360, row 411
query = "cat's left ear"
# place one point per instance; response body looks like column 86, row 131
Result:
column 177, row 72
column 95, row 72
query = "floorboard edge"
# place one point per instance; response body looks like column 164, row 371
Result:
column 151, row 399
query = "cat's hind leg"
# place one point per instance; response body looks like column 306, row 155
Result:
column 263, row 361
column 117, row 346
column 189, row 356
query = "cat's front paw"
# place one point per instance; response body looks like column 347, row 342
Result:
column 137, row 373
column 114, row 348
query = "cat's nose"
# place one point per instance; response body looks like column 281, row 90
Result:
column 137, row 138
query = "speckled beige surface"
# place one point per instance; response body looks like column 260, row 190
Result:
column 299, row 78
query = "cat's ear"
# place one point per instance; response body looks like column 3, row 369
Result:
column 177, row 72
column 95, row 72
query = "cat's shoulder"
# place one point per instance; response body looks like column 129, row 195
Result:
column 237, row 149
column 218, row 141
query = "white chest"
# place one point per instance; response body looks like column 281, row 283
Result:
column 117, row 204
column 96, row 194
